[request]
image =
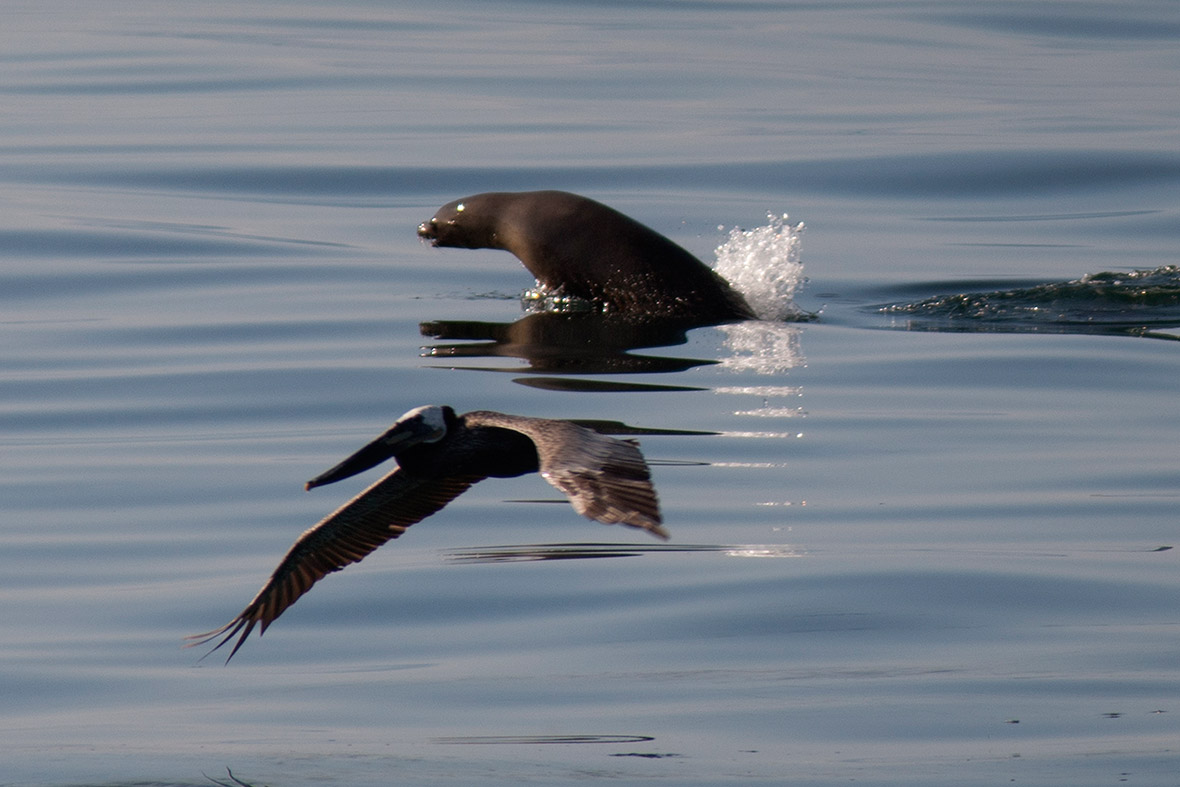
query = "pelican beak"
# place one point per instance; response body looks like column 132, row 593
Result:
column 402, row 435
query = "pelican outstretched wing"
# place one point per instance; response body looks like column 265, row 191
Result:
column 378, row 514
column 605, row 479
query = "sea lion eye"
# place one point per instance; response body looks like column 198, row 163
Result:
column 459, row 208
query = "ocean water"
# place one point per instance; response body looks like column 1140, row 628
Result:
column 922, row 515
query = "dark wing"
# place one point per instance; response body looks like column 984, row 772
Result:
column 380, row 513
column 605, row 479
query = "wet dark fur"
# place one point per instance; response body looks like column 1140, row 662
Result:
column 582, row 248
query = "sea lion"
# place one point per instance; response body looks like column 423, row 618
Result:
column 582, row 248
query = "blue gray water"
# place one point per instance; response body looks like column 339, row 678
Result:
column 924, row 538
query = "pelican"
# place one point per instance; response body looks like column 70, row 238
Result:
column 439, row 455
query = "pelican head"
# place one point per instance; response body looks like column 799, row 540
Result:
column 427, row 424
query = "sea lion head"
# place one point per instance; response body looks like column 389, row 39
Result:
column 468, row 223
column 565, row 240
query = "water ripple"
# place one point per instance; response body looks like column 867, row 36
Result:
column 1108, row 302
column 966, row 173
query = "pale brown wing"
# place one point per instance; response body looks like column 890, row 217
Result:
column 605, row 479
column 378, row 514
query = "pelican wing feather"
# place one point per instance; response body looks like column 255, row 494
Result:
column 382, row 512
column 605, row 479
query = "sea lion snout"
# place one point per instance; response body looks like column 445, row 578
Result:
column 452, row 226
column 428, row 230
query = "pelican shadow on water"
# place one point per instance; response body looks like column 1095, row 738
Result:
column 439, row 455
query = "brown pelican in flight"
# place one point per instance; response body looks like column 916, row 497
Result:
column 439, row 455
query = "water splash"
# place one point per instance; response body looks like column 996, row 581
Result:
column 543, row 298
column 763, row 264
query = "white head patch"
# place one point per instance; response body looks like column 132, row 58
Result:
column 431, row 416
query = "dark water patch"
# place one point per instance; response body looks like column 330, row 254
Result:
column 91, row 150
column 519, row 553
column 317, row 24
column 204, row 336
column 181, row 86
column 89, row 244
column 282, row 180
column 983, row 173
column 530, row 740
column 1137, row 303
column 1071, row 21
column 620, row 428
column 966, row 173
column 584, row 363
column 169, row 276
column 599, row 386
column 554, row 342
column 85, row 403
column 212, row 230
column 709, row 7
column 529, row 554
column 1109, row 214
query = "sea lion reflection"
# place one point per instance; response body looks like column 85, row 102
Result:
column 566, row 343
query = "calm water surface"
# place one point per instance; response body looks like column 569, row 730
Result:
column 924, row 545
